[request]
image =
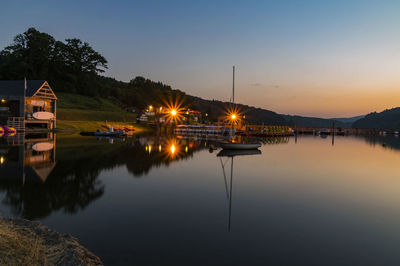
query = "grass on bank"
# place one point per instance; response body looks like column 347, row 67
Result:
column 91, row 115
column 19, row 246
column 76, row 113
column 75, row 107
column 77, row 101
column 78, row 126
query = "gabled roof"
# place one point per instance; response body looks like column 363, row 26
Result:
column 16, row 87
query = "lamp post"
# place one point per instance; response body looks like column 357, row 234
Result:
column 233, row 117
column 173, row 114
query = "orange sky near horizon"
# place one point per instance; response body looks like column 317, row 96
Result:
column 330, row 104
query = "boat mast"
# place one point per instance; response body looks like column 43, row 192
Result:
column 233, row 100
column 233, row 86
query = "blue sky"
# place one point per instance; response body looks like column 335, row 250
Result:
column 320, row 58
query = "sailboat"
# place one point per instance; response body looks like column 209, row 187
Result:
column 231, row 145
column 231, row 154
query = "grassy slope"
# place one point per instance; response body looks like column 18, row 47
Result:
column 82, row 113
column 74, row 107
column 19, row 246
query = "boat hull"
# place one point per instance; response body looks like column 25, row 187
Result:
column 43, row 115
column 233, row 153
column 43, row 146
column 104, row 134
column 239, row 146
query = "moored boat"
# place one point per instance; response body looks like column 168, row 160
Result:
column 239, row 146
column 43, row 146
column 99, row 133
column 232, row 153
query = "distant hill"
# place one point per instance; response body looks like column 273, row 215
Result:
column 73, row 67
column 253, row 115
column 388, row 119
column 314, row 121
column 349, row 119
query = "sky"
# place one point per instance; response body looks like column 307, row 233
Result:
column 313, row 58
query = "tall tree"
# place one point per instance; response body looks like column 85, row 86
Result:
column 81, row 57
column 31, row 55
column 72, row 66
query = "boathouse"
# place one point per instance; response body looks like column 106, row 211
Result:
column 27, row 105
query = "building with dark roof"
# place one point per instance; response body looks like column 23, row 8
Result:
column 27, row 105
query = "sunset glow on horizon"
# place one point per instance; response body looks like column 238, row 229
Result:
column 311, row 58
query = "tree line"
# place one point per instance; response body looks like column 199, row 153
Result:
column 73, row 66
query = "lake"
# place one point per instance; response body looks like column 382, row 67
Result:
column 164, row 201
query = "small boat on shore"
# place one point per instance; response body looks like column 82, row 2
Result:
column 239, row 146
column 98, row 133
column 119, row 128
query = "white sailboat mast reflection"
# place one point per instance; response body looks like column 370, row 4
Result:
column 231, row 154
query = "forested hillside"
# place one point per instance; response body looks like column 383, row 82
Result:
column 388, row 119
column 293, row 120
column 73, row 66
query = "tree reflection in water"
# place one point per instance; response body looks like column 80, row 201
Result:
column 36, row 183
column 39, row 177
column 389, row 142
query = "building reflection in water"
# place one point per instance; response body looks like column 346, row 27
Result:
column 36, row 180
column 32, row 183
column 31, row 157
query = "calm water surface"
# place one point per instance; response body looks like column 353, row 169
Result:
column 163, row 201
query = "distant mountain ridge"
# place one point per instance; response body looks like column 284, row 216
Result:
column 388, row 119
column 73, row 66
column 349, row 119
column 293, row 120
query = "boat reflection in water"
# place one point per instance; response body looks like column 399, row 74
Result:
column 231, row 154
column 27, row 158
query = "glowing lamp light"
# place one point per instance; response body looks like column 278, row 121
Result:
column 173, row 112
column 172, row 149
column 233, row 116
column 2, row 160
column 3, row 101
column 150, row 108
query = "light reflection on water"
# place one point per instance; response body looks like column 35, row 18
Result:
column 156, row 201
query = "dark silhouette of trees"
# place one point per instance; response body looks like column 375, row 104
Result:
column 388, row 119
column 69, row 66
column 74, row 66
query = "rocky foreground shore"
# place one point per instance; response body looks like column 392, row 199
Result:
column 27, row 242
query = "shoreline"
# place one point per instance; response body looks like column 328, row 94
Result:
column 68, row 126
column 30, row 242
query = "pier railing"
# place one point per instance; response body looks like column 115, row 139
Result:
column 16, row 122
